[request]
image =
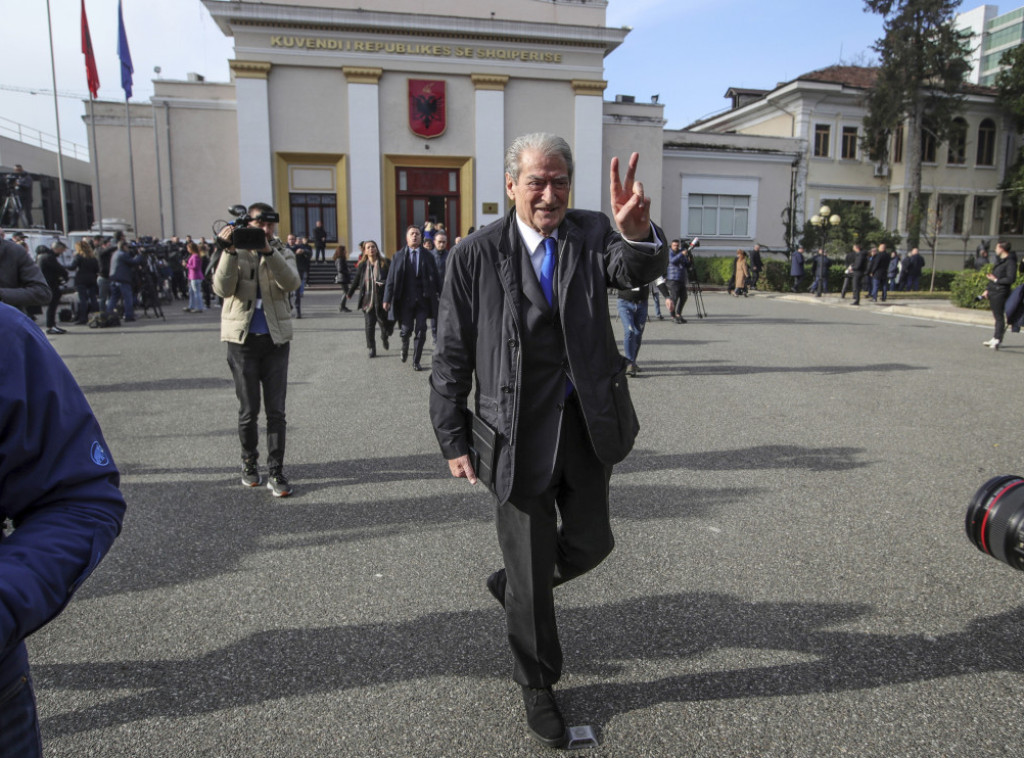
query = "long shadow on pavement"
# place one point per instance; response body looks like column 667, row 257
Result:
column 681, row 629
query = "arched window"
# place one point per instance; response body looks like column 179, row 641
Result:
column 957, row 152
column 987, row 143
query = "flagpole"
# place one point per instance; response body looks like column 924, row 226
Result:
column 95, row 156
column 131, row 166
column 127, row 69
column 56, row 113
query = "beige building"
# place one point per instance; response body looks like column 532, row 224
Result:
column 825, row 110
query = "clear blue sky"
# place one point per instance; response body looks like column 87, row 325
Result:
column 689, row 52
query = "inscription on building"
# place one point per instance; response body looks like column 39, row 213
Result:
column 413, row 48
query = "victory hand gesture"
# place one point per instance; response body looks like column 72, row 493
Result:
column 631, row 208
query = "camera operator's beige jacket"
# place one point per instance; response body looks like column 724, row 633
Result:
column 235, row 281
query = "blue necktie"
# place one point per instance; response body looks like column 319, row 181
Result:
column 547, row 269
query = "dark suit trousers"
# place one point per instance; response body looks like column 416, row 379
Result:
column 414, row 322
column 540, row 553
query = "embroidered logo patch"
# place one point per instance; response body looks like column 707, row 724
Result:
column 98, row 454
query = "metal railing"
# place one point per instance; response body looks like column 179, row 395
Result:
column 32, row 136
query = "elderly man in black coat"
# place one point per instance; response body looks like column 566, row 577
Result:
column 524, row 312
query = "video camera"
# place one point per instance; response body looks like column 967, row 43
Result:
column 245, row 237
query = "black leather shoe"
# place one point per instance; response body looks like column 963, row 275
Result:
column 373, row 352
column 496, row 585
column 543, row 718
column 417, row 367
column 384, row 342
column 405, row 352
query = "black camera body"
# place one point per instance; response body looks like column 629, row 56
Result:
column 995, row 520
column 245, row 237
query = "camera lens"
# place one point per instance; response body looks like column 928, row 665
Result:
column 995, row 520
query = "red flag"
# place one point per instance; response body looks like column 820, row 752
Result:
column 91, row 74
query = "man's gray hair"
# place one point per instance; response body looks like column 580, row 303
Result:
column 546, row 144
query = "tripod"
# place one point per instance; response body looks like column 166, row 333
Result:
column 12, row 209
column 698, row 297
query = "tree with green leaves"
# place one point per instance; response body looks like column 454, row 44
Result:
column 1010, row 84
column 858, row 225
column 923, row 60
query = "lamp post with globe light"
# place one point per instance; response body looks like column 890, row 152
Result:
column 825, row 220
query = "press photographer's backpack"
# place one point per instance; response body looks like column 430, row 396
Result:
column 102, row 319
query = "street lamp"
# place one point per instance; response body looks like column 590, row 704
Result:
column 825, row 220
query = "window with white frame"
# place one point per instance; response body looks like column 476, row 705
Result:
column 718, row 215
column 849, row 146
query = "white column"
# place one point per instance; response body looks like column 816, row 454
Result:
column 256, row 174
column 367, row 221
column 588, row 150
column 489, row 168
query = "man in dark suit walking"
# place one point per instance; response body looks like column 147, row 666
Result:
column 878, row 270
column 411, row 292
column 524, row 313
column 858, row 268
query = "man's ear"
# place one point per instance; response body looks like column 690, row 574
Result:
column 509, row 184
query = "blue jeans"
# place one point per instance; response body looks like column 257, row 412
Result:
column 298, row 295
column 19, row 724
column 633, row 317
column 122, row 290
column 88, row 302
column 879, row 284
column 657, row 305
column 195, row 294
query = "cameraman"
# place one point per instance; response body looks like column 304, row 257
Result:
column 23, row 186
column 676, row 280
column 255, row 321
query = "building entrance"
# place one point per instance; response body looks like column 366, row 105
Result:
column 428, row 194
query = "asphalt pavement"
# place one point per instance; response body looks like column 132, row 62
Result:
column 791, row 575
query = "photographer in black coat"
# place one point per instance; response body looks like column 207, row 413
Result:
column 1000, row 282
column 56, row 275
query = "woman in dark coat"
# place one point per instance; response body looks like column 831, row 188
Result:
column 371, row 275
column 86, row 266
column 1000, row 282
column 796, row 267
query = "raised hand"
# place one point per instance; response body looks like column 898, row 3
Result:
column 631, row 208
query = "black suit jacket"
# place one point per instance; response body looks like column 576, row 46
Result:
column 492, row 311
column 394, row 290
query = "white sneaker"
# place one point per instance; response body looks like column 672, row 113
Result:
column 991, row 342
column 994, row 344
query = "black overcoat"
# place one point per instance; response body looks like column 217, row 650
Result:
column 480, row 333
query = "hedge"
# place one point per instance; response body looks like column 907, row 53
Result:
column 967, row 286
column 775, row 275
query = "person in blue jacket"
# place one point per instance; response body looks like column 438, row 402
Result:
column 60, row 504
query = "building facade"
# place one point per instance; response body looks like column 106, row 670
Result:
column 825, row 110
column 992, row 35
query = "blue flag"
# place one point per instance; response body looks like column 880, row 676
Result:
column 124, row 54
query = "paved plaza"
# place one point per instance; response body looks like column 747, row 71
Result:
column 791, row 575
